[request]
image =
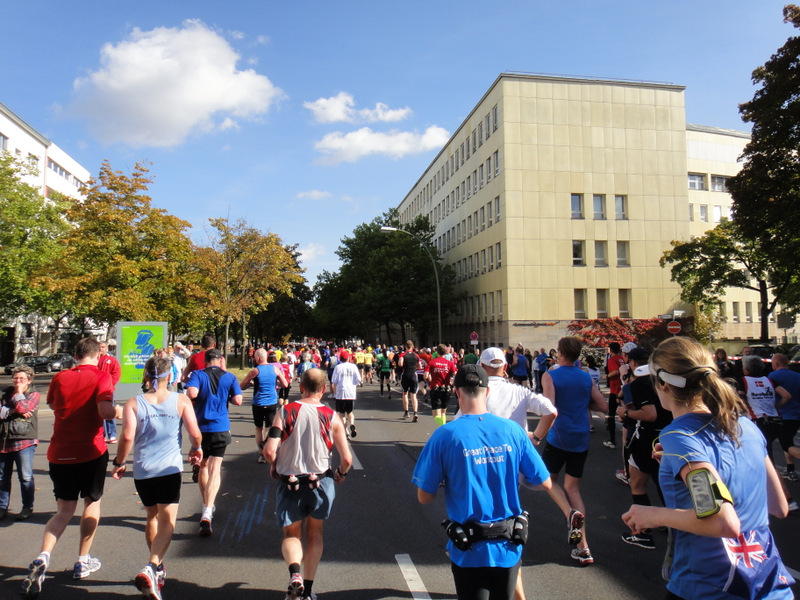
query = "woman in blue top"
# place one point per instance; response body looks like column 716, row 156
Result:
column 151, row 425
column 719, row 486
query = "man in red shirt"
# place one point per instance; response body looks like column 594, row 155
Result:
column 197, row 361
column 439, row 373
column 80, row 399
column 109, row 364
column 615, row 361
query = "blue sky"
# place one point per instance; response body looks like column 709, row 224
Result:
column 308, row 118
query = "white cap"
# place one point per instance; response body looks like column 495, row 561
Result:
column 493, row 357
column 628, row 347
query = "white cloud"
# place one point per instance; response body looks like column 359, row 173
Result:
column 314, row 195
column 311, row 251
column 262, row 40
column 237, row 35
column 156, row 88
column 339, row 147
column 341, row 108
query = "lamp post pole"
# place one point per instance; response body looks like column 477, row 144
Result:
column 386, row 229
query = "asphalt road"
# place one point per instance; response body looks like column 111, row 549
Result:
column 380, row 542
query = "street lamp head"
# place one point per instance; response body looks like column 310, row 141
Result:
column 387, row 229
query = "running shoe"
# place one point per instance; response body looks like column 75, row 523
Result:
column 583, row 556
column 205, row 527
column 793, row 506
column 261, row 459
column 643, row 540
column 416, row 418
column 574, row 525
column 32, row 584
column 790, row 476
column 296, row 588
column 147, row 583
column 405, row 415
column 622, row 476
column 84, row 569
column 353, row 432
column 161, row 573
column 609, row 444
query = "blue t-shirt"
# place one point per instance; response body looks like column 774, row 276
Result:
column 790, row 381
column 215, row 389
column 709, row 567
column 479, row 458
column 521, row 368
column 265, row 392
column 570, row 431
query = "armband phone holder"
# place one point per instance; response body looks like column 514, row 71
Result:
column 707, row 492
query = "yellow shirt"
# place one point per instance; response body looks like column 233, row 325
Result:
column 359, row 357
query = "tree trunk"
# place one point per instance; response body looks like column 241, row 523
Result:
column 225, row 338
column 765, row 310
column 244, row 339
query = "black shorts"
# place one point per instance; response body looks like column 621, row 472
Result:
column 367, row 368
column 159, row 490
column 440, row 399
column 786, row 434
column 410, row 384
column 555, row 459
column 384, row 375
column 214, row 444
column 344, row 406
column 480, row 583
column 86, row 479
column 640, row 447
column 520, row 378
column 360, row 366
column 263, row 416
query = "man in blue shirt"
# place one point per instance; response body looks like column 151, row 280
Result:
column 212, row 389
column 479, row 458
column 782, row 376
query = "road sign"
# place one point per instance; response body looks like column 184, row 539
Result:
column 674, row 327
column 474, row 336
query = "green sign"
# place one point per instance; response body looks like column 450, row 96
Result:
column 136, row 342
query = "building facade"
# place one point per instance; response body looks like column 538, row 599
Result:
column 556, row 197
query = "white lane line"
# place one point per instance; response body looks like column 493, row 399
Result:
column 413, row 580
column 356, row 463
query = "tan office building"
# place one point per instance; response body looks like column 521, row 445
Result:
column 556, row 197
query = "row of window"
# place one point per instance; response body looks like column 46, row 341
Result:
column 600, row 253
column 623, row 299
column 470, row 226
column 748, row 316
column 717, row 213
column 462, row 153
column 697, row 181
column 482, row 307
column 599, row 211
column 485, row 261
column 469, row 186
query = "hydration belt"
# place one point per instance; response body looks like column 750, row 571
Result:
column 294, row 482
column 463, row 535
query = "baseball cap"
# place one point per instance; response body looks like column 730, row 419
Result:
column 493, row 357
column 212, row 354
column 471, row 376
column 628, row 346
column 344, row 356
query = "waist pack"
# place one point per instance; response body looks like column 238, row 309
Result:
column 463, row 535
column 295, row 482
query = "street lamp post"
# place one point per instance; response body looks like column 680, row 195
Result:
column 386, row 229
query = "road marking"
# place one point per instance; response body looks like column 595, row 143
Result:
column 356, row 463
column 413, row 580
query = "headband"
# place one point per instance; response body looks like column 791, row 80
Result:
column 679, row 380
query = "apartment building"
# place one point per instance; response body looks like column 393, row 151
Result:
column 556, row 197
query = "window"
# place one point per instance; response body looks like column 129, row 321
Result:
column 474, row 140
column 719, row 183
column 458, row 233
column 488, row 169
column 494, row 117
column 697, row 181
column 467, row 146
column 464, row 230
column 625, row 304
column 480, row 171
column 498, row 261
column 462, row 153
column 483, row 218
column 496, row 163
column 483, row 261
column 577, row 206
column 477, row 265
column 489, row 213
column 3, row 142
column 600, row 254
column 491, row 294
column 580, row 304
column 480, row 134
column 469, row 226
column 578, row 253
column 488, row 129
column 621, row 207
column 704, row 213
column 735, row 307
column 463, row 192
column 602, row 304
column 622, row 254
column 748, row 312
column 458, row 272
column 491, row 258
column 469, row 186
column 599, row 206
column 475, row 181
column 475, row 223
column 471, row 266
column 500, row 305
column 717, row 214
column 497, row 209
column 484, row 311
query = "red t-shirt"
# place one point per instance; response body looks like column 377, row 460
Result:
column 197, row 361
column 615, row 382
column 441, row 370
column 78, row 428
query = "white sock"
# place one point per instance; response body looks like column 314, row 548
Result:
column 84, row 559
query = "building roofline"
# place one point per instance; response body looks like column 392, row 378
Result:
column 717, row 130
column 22, row 124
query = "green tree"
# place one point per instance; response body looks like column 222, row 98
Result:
column 724, row 257
column 766, row 192
column 31, row 229
column 122, row 257
column 243, row 270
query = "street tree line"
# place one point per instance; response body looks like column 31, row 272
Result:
column 759, row 248
column 112, row 256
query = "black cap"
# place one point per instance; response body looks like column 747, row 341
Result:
column 212, row 354
column 471, row 376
